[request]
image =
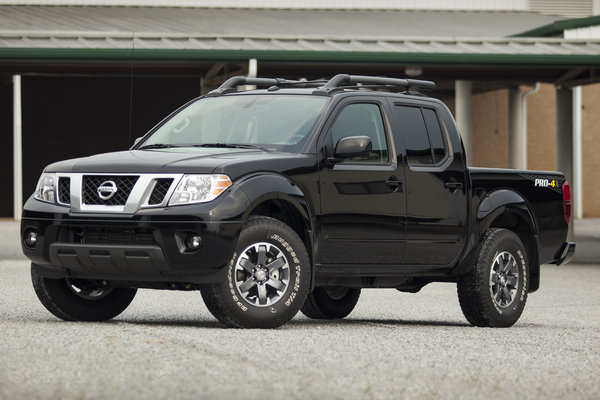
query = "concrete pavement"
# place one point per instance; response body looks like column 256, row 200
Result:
column 392, row 346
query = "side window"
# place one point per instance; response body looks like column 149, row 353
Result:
column 435, row 135
column 362, row 120
column 422, row 135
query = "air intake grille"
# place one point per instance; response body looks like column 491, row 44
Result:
column 160, row 190
column 108, row 235
column 64, row 190
column 123, row 185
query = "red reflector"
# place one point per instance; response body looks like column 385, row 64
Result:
column 566, row 191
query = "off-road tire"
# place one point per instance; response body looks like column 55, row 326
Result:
column 268, row 254
column 330, row 303
column 494, row 292
column 60, row 298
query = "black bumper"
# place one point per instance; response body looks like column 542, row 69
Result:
column 566, row 253
column 147, row 248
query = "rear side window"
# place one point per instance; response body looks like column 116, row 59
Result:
column 422, row 134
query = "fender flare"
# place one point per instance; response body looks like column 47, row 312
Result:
column 263, row 187
column 498, row 202
column 259, row 188
column 493, row 205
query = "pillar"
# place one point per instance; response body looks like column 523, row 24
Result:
column 564, row 132
column 17, row 150
column 516, row 147
column 463, row 94
column 564, row 138
column 577, row 190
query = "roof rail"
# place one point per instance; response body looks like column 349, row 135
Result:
column 231, row 84
column 339, row 81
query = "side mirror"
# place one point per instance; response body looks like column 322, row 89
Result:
column 353, row 146
column 137, row 140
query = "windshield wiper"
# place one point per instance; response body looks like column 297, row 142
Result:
column 158, row 146
column 230, row 146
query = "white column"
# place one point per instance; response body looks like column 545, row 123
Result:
column 252, row 72
column 564, row 138
column 17, row 150
column 577, row 155
column 463, row 95
column 516, row 150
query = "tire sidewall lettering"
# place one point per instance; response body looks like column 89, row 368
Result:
column 522, row 293
column 292, row 290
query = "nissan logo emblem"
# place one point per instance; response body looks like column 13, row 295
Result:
column 107, row 190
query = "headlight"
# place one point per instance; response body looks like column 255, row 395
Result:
column 199, row 189
column 46, row 188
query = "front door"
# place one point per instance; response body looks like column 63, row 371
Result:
column 362, row 218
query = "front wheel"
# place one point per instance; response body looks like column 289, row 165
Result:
column 494, row 292
column 330, row 302
column 267, row 278
column 80, row 299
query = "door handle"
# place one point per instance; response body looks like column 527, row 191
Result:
column 453, row 186
column 396, row 186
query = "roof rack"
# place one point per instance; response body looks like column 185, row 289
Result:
column 340, row 81
column 231, row 84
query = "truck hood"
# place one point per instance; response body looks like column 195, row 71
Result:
column 177, row 160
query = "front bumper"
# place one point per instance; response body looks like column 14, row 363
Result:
column 566, row 253
column 148, row 247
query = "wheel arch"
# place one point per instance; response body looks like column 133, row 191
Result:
column 278, row 197
column 507, row 209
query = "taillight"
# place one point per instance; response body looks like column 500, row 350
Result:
column 566, row 191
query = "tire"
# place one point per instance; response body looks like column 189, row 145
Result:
column 330, row 302
column 267, row 279
column 494, row 292
column 81, row 300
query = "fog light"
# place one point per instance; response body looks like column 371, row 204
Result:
column 30, row 238
column 193, row 242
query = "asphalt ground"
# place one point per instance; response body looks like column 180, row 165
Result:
column 394, row 345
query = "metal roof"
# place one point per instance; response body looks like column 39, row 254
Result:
column 276, row 22
column 112, row 45
column 291, row 41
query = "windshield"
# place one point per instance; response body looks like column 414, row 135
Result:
column 277, row 122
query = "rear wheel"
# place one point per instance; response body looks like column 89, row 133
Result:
column 330, row 302
column 267, row 279
column 80, row 299
column 494, row 293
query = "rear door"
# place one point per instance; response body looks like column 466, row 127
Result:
column 362, row 218
column 436, row 201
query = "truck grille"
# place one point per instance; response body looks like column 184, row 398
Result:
column 123, row 184
column 108, row 235
column 160, row 190
column 64, row 190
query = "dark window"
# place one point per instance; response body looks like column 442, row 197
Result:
column 418, row 149
column 422, row 134
column 362, row 120
column 435, row 135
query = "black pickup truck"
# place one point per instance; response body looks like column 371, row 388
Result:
column 294, row 197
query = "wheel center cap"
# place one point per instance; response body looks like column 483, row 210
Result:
column 261, row 275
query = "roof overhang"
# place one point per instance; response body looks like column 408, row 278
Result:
column 529, row 59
